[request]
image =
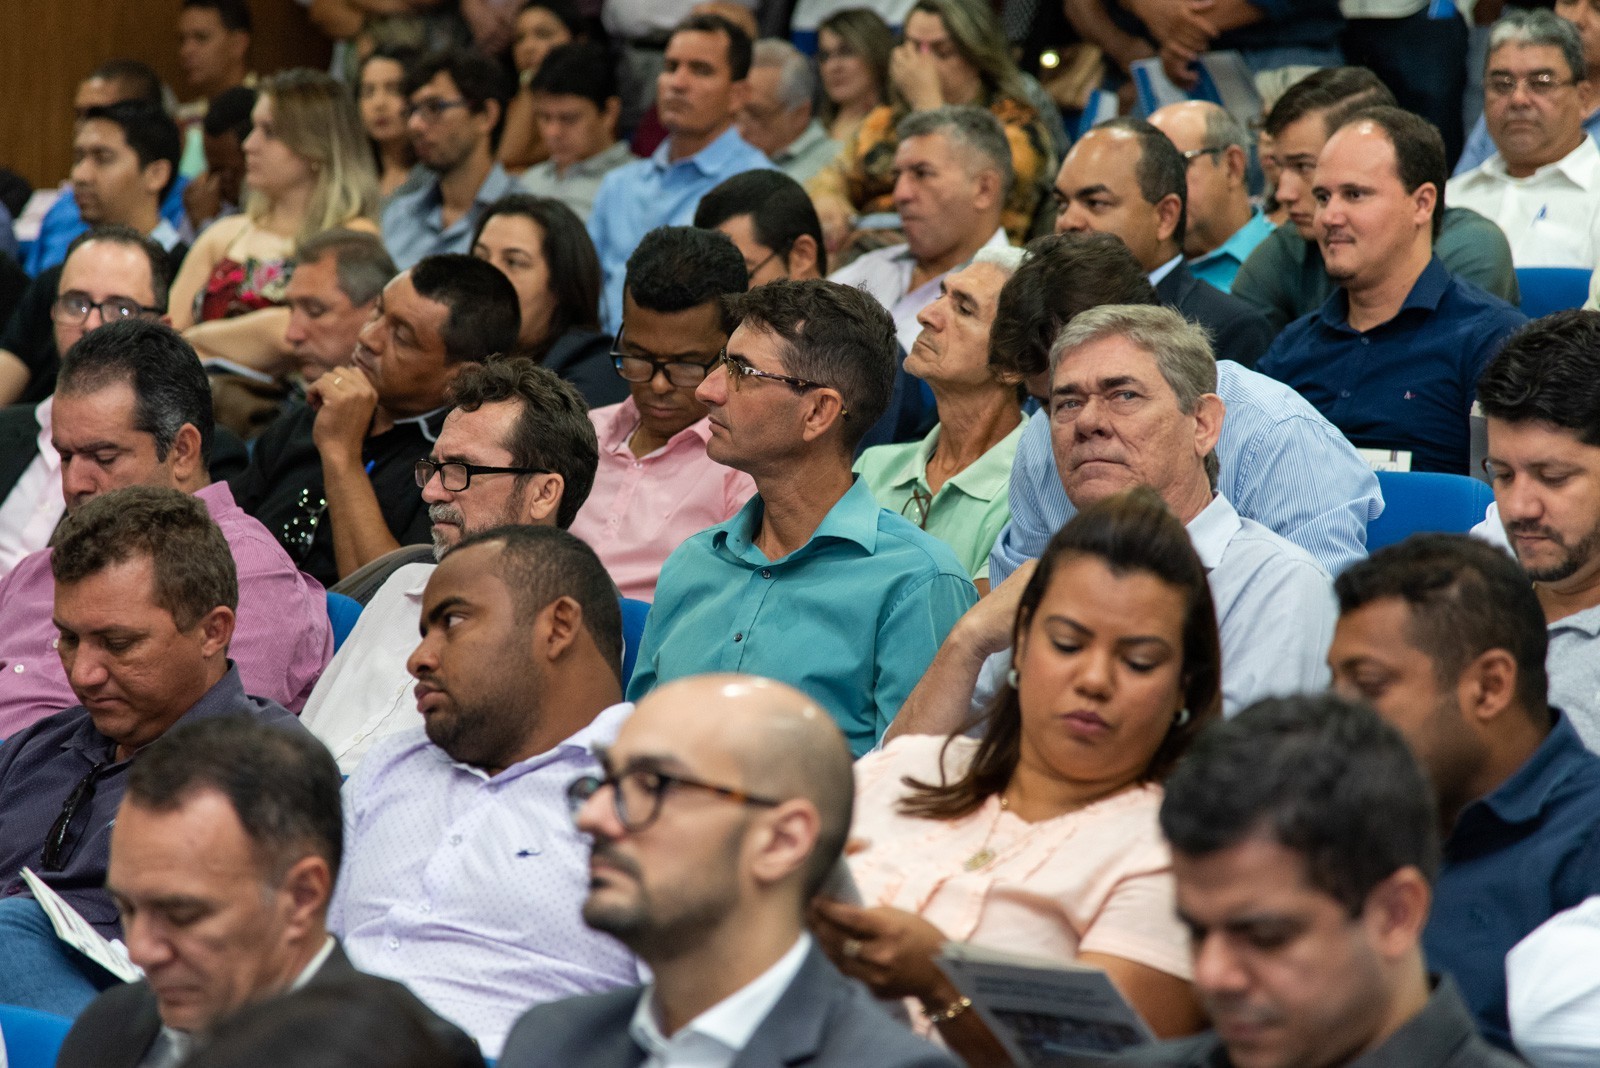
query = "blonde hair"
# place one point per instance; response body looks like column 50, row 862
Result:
column 314, row 116
column 976, row 33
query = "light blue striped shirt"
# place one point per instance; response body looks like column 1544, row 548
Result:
column 1282, row 464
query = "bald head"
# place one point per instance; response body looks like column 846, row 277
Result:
column 779, row 742
column 1215, row 146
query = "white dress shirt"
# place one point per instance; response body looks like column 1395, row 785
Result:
column 885, row 273
column 469, row 888
column 35, row 504
column 716, row 1037
column 1551, row 217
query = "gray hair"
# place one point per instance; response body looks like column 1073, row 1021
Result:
column 1006, row 257
column 361, row 262
column 974, row 129
column 797, row 82
column 1182, row 350
column 1223, row 130
column 1539, row 27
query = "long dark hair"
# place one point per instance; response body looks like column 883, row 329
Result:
column 569, row 259
column 1130, row 532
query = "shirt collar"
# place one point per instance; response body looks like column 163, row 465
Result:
column 1586, row 622
column 709, row 160
column 731, row 1022
column 599, row 163
column 809, row 138
column 1581, row 167
column 854, row 517
column 1165, row 269
column 983, row 479
column 429, row 423
column 1241, row 242
column 496, row 184
column 1212, row 530
column 165, row 234
column 617, row 425
column 1522, row 797
column 314, row 964
column 1426, row 293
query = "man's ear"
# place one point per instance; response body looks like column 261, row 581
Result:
column 307, row 888
column 1488, row 686
column 216, row 628
column 490, row 116
column 1168, row 209
column 1237, row 163
column 826, row 409
column 542, row 500
column 801, row 262
column 558, row 628
column 155, row 175
column 183, row 456
column 1396, row 911
column 1208, row 414
column 1423, row 198
column 611, row 114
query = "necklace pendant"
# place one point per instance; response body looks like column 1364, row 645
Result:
column 980, row 859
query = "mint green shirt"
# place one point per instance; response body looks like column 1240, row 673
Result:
column 970, row 509
column 852, row 618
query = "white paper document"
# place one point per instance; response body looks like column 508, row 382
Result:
column 75, row 931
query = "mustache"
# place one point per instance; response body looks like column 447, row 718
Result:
column 1533, row 527
column 444, row 513
column 602, row 850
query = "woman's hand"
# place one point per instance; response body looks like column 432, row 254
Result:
column 916, row 75
column 890, row 950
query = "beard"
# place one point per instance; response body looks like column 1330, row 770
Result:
column 1572, row 558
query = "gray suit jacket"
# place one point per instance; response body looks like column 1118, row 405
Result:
column 822, row 1021
column 119, row 1026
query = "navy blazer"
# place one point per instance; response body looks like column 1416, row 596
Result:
column 1239, row 332
column 823, row 1020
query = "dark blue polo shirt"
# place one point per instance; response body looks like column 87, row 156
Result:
column 39, row 767
column 1408, row 383
column 1516, row 857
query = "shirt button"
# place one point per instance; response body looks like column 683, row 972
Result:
column 766, row 572
column 1345, row 393
column 17, row 668
column 1366, row 341
column 426, row 907
column 455, row 839
column 55, row 643
column 739, row 637
column 394, row 943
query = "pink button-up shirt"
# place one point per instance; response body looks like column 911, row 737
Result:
column 281, row 640
column 642, row 508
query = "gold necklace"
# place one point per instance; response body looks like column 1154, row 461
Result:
column 985, row 856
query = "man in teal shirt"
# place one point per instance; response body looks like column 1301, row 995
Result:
column 812, row 583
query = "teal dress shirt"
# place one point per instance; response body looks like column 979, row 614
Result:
column 853, row 617
column 1223, row 262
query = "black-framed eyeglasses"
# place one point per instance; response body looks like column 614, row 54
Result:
column 637, row 793
column 456, row 476
column 1539, row 83
column 431, row 110
column 738, row 370
column 1195, row 153
column 74, row 307
column 300, row 531
column 751, row 272
column 68, row 827
column 917, row 505
column 681, row 373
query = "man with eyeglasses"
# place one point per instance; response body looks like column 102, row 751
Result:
column 517, row 448
column 1285, row 277
column 456, row 102
column 463, row 874
column 655, row 486
column 333, row 477
column 1126, row 179
column 811, row 583
column 1542, row 185
column 133, row 408
column 716, row 816
column 145, row 602
column 1221, row 226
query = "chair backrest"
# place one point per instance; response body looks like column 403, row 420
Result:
column 1552, row 289
column 1426, row 501
column 633, row 616
column 343, row 612
column 32, row 1038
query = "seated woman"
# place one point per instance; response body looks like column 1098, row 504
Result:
column 541, row 27
column 540, row 245
column 953, row 52
column 1041, row 836
column 853, row 48
column 955, row 482
column 382, row 101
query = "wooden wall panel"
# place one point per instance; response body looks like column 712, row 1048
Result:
column 48, row 46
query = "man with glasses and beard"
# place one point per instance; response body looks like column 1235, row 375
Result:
column 145, row 596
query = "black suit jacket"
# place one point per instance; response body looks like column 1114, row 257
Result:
column 1239, row 332
column 119, row 1026
column 823, row 1020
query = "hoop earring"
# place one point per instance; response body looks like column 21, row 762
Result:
column 1181, row 719
column 1012, row 678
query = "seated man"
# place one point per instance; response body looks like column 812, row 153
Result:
column 517, row 448
column 777, row 116
column 133, row 408
column 1444, row 637
column 126, row 158
column 1125, row 178
column 1221, row 226
column 1542, row 185
column 239, row 822
column 1133, row 403
column 771, row 221
column 335, row 281
column 811, row 583
column 462, row 872
column 455, row 101
column 1284, row 276
column 333, row 477
column 952, row 483
column 111, row 273
column 1541, row 398
column 1393, row 357
column 144, row 602
column 710, row 888
column 1280, row 462
column 1303, row 844
column 576, row 105
column 655, row 486
column 703, row 81
column 952, row 176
